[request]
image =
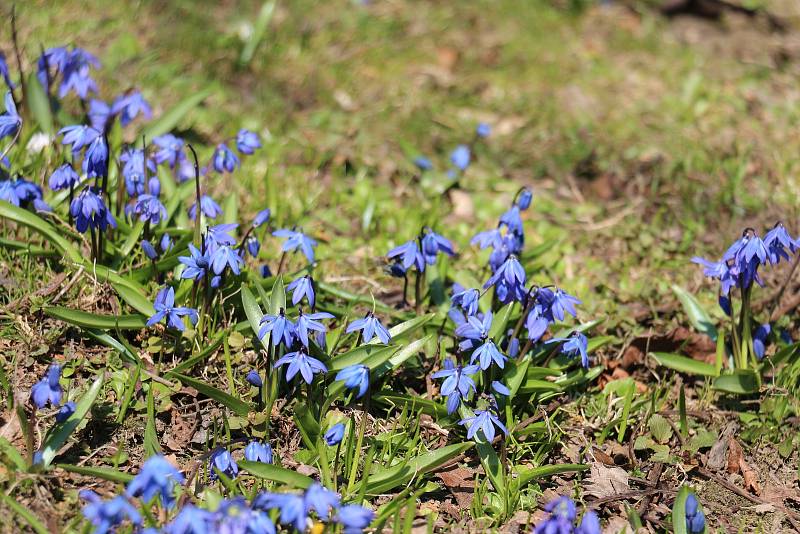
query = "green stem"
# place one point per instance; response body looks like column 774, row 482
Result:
column 361, row 431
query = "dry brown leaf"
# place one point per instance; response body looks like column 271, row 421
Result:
column 750, row 477
column 602, row 457
column 735, row 456
column 616, row 525
column 717, row 456
column 461, row 483
column 606, row 481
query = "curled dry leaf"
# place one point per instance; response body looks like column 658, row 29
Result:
column 606, row 481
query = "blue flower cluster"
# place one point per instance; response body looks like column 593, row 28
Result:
column 562, row 520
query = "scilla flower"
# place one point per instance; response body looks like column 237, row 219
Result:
column 354, row 518
column 485, row 421
column 78, row 136
column 48, row 390
column 106, row 515
column 64, row 177
column 408, row 254
column 257, row 451
column 355, row 377
column 307, row 322
column 370, row 326
column 64, row 413
column 433, row 244
column 460, row 157
column 254, row 379
column 457, row 383
column 225, row 160
column 302, row 287
column 129, row 105
column 149, row 209
column 334, row 435
column 10, row 121
column 574, row 345
column 208, row 207
column 247, row 142
column 221, row 461
column 197, row 264
column 321, row 500
column 165, row 309
column 90, row 211
column 297, row 240
column 95, row 162
column 170, row 150
column 279, row 326
column 300, row 362
column 508, row 281
column 158, row 477
column 695, row 518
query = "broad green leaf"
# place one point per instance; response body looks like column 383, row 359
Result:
column 515, row 374
column 384, row 481
column 134, row 297
column 277, row 298
column 427, row 406
column 59, row 434
column 276, row 474
column 237, row 406
column 500, row 321
column 679, row 511
column 25, row 514
column 170, row 119
column 10, row 452
column 684, row 364
column 740, row 382
column 361, row 354
column 527, row 476
column 660, row 428
column 133, row 238
column 257, row 34
column 105, row 473
column 39, row 103
column 252, row 310
column 308, row 426
column 93, row 320
column 406, row 327
column 487, row 455
column 122, row 347
column 697, row 315
column 36, row 223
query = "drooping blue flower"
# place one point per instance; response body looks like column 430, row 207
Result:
column 20, row 192
column 483, row 130
column 457, row 383
column 760, row 336
column 197, row 264
column 310, row 322
column 75, row 74
column 157, row 477
column 297, row 239
column 165, row 308
column 225, row 256
column 247, row 142
column 590, row 524
column 300, row 362
column 508, row 281
column 370, row 326
column 524, row 198
column 170, row 150
column 302, row 287
column 489, row 238
column 79, row 136
column 466, row 299
column 52, row 60
column 90, row 211
column 105, row 516
column 48, row 390
column 460, row 157
column 192, row 520
column 208, row 207
column 64, row 177
column 695, row 518
column 256, row 451
column 486, row 354
column 64, row 413
column 778, row 241
column 261, row 217
column 537, row 321
column 408, row 254
column 334, row 434
column 433, row 244
column 221, row 461
column 562, row 516
column 718, row 270
column 355, row 376
column 574, row 345
column 475, row 327
column 133, row 170
column 166, row 243
column 280, row 326
column 252, row 246
column 149, row 249
column 485, row 421
column 95, row 162
column 423, row 163
column 219, row 235
column 129, row 105
column 254, row 378
column 512, row 219
column 10, row 121
column 321, row 500
column 563, row 302
column 233, row 516
column 500, row 388
column 354, row 518
column 225, row 159
column 265, row 271
column 292, row 511
column 99, row 114
column 149, row 208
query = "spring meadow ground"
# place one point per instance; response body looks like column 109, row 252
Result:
column 353, row 360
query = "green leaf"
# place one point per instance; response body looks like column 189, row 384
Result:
column 308, row 426
column 406, row 327
column 39, row 225
column 259, row 29
column 277, row 298
column 133, row 238
column 515, row 373
column 679, row 511
column 105, row 473
column 39, row 104
column 697, row 315
column 59, row 434
column 11, row 452
column 93, row 320
column 660, row 428
column 529, row 475
column 740, row 382
column 427, row 406
column 500, row 321
column 133, row 296
column 360, row 354
column 151, row 446
column 24, row 513
column 170, row 119
column 122, row 347
column 402, row 474
column 237, row 406
column 276, row 474
column 252, row 310
column 683, row 364
column 487, row 455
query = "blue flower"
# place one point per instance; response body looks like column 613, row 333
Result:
column 483, row 130
column 760, row 336
column 52, row 59
column 95, row 162
column 170, row 150
column 524, row 198
column 486, row 354
column 433, row 243
column 310, row 322
column 165, row 308
column 99, row 113
column 321, row 500
column 10, row 121
column 562, row 515
column 208, row 207
column 64, row 177
column 149, row 208
column 475, row 327
column 485, row 421
column 220, row 235
column 512, row 219
column 21, row 191
column 408, row 254
column 355, row 376
column 777, row 241
column 129, row 105
column 233, row 516
column 254, row 378
column 166, row 243
column 225, row 159
column 575, row 345
column 157, row 477
column 562, row 302
column 247, row 142
column 457, row 383
column 370, row 327
column 221, row 461
column 590, row 524
column 106, row 515
column 292, row 508
column 509, row 281
column 75, row 74
column 294, row 240
column 48, row 390
column 4, row 71
column 149, row 249
column 192, row 520
column 65, row 412
column 537, row 322
column 302, row 287
column 78, row 136
column 197, row 264
column 261, row 217
column 258, row 452
column 695, row 518
column 300, row 361
column 466, row 299
column 460, row 157
column 252, row 246
column 133, row 170
column 154, row 185
column 423, row 163
column 334, row 434
column 226, row 256
column 354, row 518
column 500, row 388
column 281, row 328
column 489, row 238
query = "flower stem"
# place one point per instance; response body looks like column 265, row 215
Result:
column 361, row 431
